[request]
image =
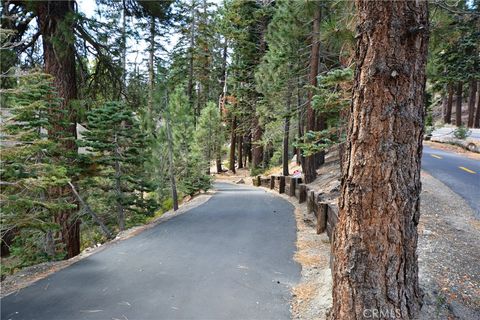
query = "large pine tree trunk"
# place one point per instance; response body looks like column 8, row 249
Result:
column 118, row 187
column 286, row 133
column 191, row 52
column 458, row 105
column 300, row 121
column 308, row 163
column 59, row 58
column 375, row 268
column 257, row 148
column 248, row 154
column 471, row 102
column 240, row 151
column 218, row 161
column 171, row 165
column 448, row 109
column 476, row 122
column 151, row 67
column 231, row 159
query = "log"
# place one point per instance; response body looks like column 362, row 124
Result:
column 95, row 217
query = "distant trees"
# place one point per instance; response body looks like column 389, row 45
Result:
column 210, row 135
column 375, row 242
column 191, row 170
column 454, row 65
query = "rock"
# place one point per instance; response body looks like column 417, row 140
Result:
column 241, row 181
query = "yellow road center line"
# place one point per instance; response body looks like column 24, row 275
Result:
column 468, row 170
column 435, row 156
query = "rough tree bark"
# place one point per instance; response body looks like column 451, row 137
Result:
column 151, row 67
column 286, row 133
column 171, row 167
column 233, row 137
column 448, row 108
column 191, row 50
column 257, row 148
column 240, row 151
column 458, row 105
column 248, row 154
column 471, row 102
column 375, row 272
column 223, row 97
column 59, row 58
column 118, row 187
column 308, row 163
column 476, row 122
column 257, row 130
column 300, row 121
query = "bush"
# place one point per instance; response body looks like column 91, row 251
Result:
column 461, row 133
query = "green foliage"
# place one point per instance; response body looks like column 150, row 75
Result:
column 209, row 134
column 191, row 166
column 117, row 148
column 461, row 132
column 333, row 93
column 453, row 49
column 32, row 169
column 315, row 141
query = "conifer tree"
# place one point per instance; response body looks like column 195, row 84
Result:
column 209, row 135
column 118, row 146
column 190, row 168
column 33, row 168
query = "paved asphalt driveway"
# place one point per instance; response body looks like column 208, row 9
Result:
column 459, row 173
column 230, row 258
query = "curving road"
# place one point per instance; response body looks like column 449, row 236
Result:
column 458, row 172
column 230, row 258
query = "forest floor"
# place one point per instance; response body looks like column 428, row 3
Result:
column 25, row 277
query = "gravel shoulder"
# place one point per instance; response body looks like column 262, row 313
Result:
column 448, row 254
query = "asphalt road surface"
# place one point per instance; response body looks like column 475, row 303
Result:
column 230, row 258
column 459, row 173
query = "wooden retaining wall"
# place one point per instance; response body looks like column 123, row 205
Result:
column 325, row 213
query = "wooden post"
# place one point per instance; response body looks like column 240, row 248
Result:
column 281, row 188
column 310, row 201
column 293, row 185
column 332, row 220
column 302, row 193
column 272, row 182
column 321, row 214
